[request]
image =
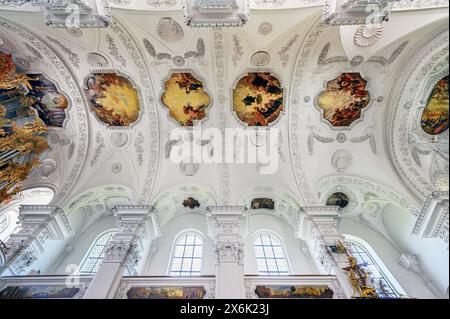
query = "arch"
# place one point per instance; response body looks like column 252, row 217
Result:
column 358, row 189
column 169, row 202
column 406, row 143
column 10, row 211
column 187, row 254
column 93, row 258
column 271, row 256
column 381, row 278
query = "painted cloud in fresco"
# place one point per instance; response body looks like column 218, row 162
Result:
column 113, row 99
column 343, row 99
column 186, row 98
column 258, row 99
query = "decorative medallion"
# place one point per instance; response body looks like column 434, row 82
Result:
column 97, row 60
column 169, row 30
column 258, row 99
column 338, row 199
column 47, row 168
column 119, row 139
column 368, row 34
column 116, row 168
column 341, row 160
column 113, row 99
column 260, row 58
column 265, row 28
column 262, row 203
column 191, row 203
column 185, row 98
column 189, row 169
column 344, row 99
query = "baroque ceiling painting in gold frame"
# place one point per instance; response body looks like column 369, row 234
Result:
column 434, row 119
column 113, row 99
column 258, row 99
column 186, row 98
column 344, row 99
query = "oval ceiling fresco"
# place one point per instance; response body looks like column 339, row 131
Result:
column 343, row 99
column 338, row 199
column 113, row 99
column 434, row 119
column 258, row 99
column 185, row 98
column 29, row 105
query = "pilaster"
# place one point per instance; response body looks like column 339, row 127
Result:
column 227, row 225
column 138, row 225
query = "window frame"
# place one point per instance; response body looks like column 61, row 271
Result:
column 88, row 253
column 283, row 246
column 178, row 237
column 386, row 274
column 4, row 218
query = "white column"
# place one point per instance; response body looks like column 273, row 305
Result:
column 39, row 223
column 227, row 226
column 318, row 226
column 137, row 227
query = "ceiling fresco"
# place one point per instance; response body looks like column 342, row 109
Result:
column 343, row 99
column 434, row 119
column 113, row 99
column 29, row 105
column 338, row 199
column 185, row 98
column 258, row 99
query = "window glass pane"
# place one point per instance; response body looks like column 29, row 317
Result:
column 3, row 222
column 379, row 280
column 270, row 256
column 187, row 255
column 95, row 256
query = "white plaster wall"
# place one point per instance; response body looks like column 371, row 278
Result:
column 299, row 260
column 158, row 262
column 80, row 244
column 432, row 252
column 413, row 285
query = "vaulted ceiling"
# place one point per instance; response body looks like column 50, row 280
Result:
column 382, row 153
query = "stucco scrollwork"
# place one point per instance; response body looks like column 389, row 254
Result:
column 409, row 146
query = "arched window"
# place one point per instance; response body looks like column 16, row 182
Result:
column 380, row 277
column 270, row 255
column 94, row 257
column 187, row 255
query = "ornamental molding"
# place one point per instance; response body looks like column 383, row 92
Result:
column 324, row 60
column 151, row 109
column 216, row 13
column 73, row 92
column 357, row 184
column 229, row 252
column 219, row 44
column 405, row 140
column 433, row 220
column 61, row 13
column 344, row 12
column 117, row 252
column 300, row 70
